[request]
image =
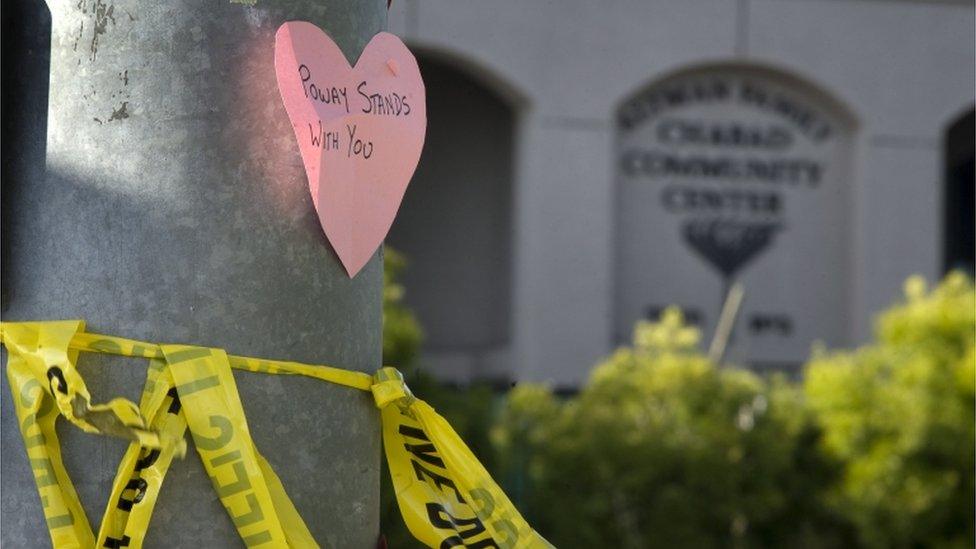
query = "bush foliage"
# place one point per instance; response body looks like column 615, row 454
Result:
column 663, row 448
column 402, row 335
column 898, row 415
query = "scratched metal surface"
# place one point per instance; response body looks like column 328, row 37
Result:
column 174, row 208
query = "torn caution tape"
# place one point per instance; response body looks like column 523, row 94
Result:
column 446, row 497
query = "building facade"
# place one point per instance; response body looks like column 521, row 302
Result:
column 590, row 163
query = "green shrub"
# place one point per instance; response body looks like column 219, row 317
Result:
column 899, row 414
column 402, row 335
column 873, row 448
column 663, row 448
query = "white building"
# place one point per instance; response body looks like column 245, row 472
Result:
column 588, row 163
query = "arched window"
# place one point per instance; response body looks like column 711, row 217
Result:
column 736, row 173
column 454, row 226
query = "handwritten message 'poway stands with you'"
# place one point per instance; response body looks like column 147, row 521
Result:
column 360, row 131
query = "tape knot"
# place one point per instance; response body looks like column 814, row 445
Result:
column 388, row 386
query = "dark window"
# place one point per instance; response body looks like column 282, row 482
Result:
column 455, row 223
column 960, row 199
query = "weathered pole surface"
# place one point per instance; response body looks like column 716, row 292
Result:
column 174, row 208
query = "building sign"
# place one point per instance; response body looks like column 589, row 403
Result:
column 736, row 174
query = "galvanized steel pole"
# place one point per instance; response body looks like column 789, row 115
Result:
column 174, row 208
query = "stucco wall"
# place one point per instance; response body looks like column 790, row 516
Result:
column 904, row 70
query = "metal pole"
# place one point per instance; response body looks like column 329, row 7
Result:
column 174, row 208
column 726, row 321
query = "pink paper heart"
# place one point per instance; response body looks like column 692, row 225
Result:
column 360, row 131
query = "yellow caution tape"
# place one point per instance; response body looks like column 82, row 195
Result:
column 440, row 485
column 141, row 471
column 445, row 495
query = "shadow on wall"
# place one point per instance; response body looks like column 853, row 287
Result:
column 26, row 53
